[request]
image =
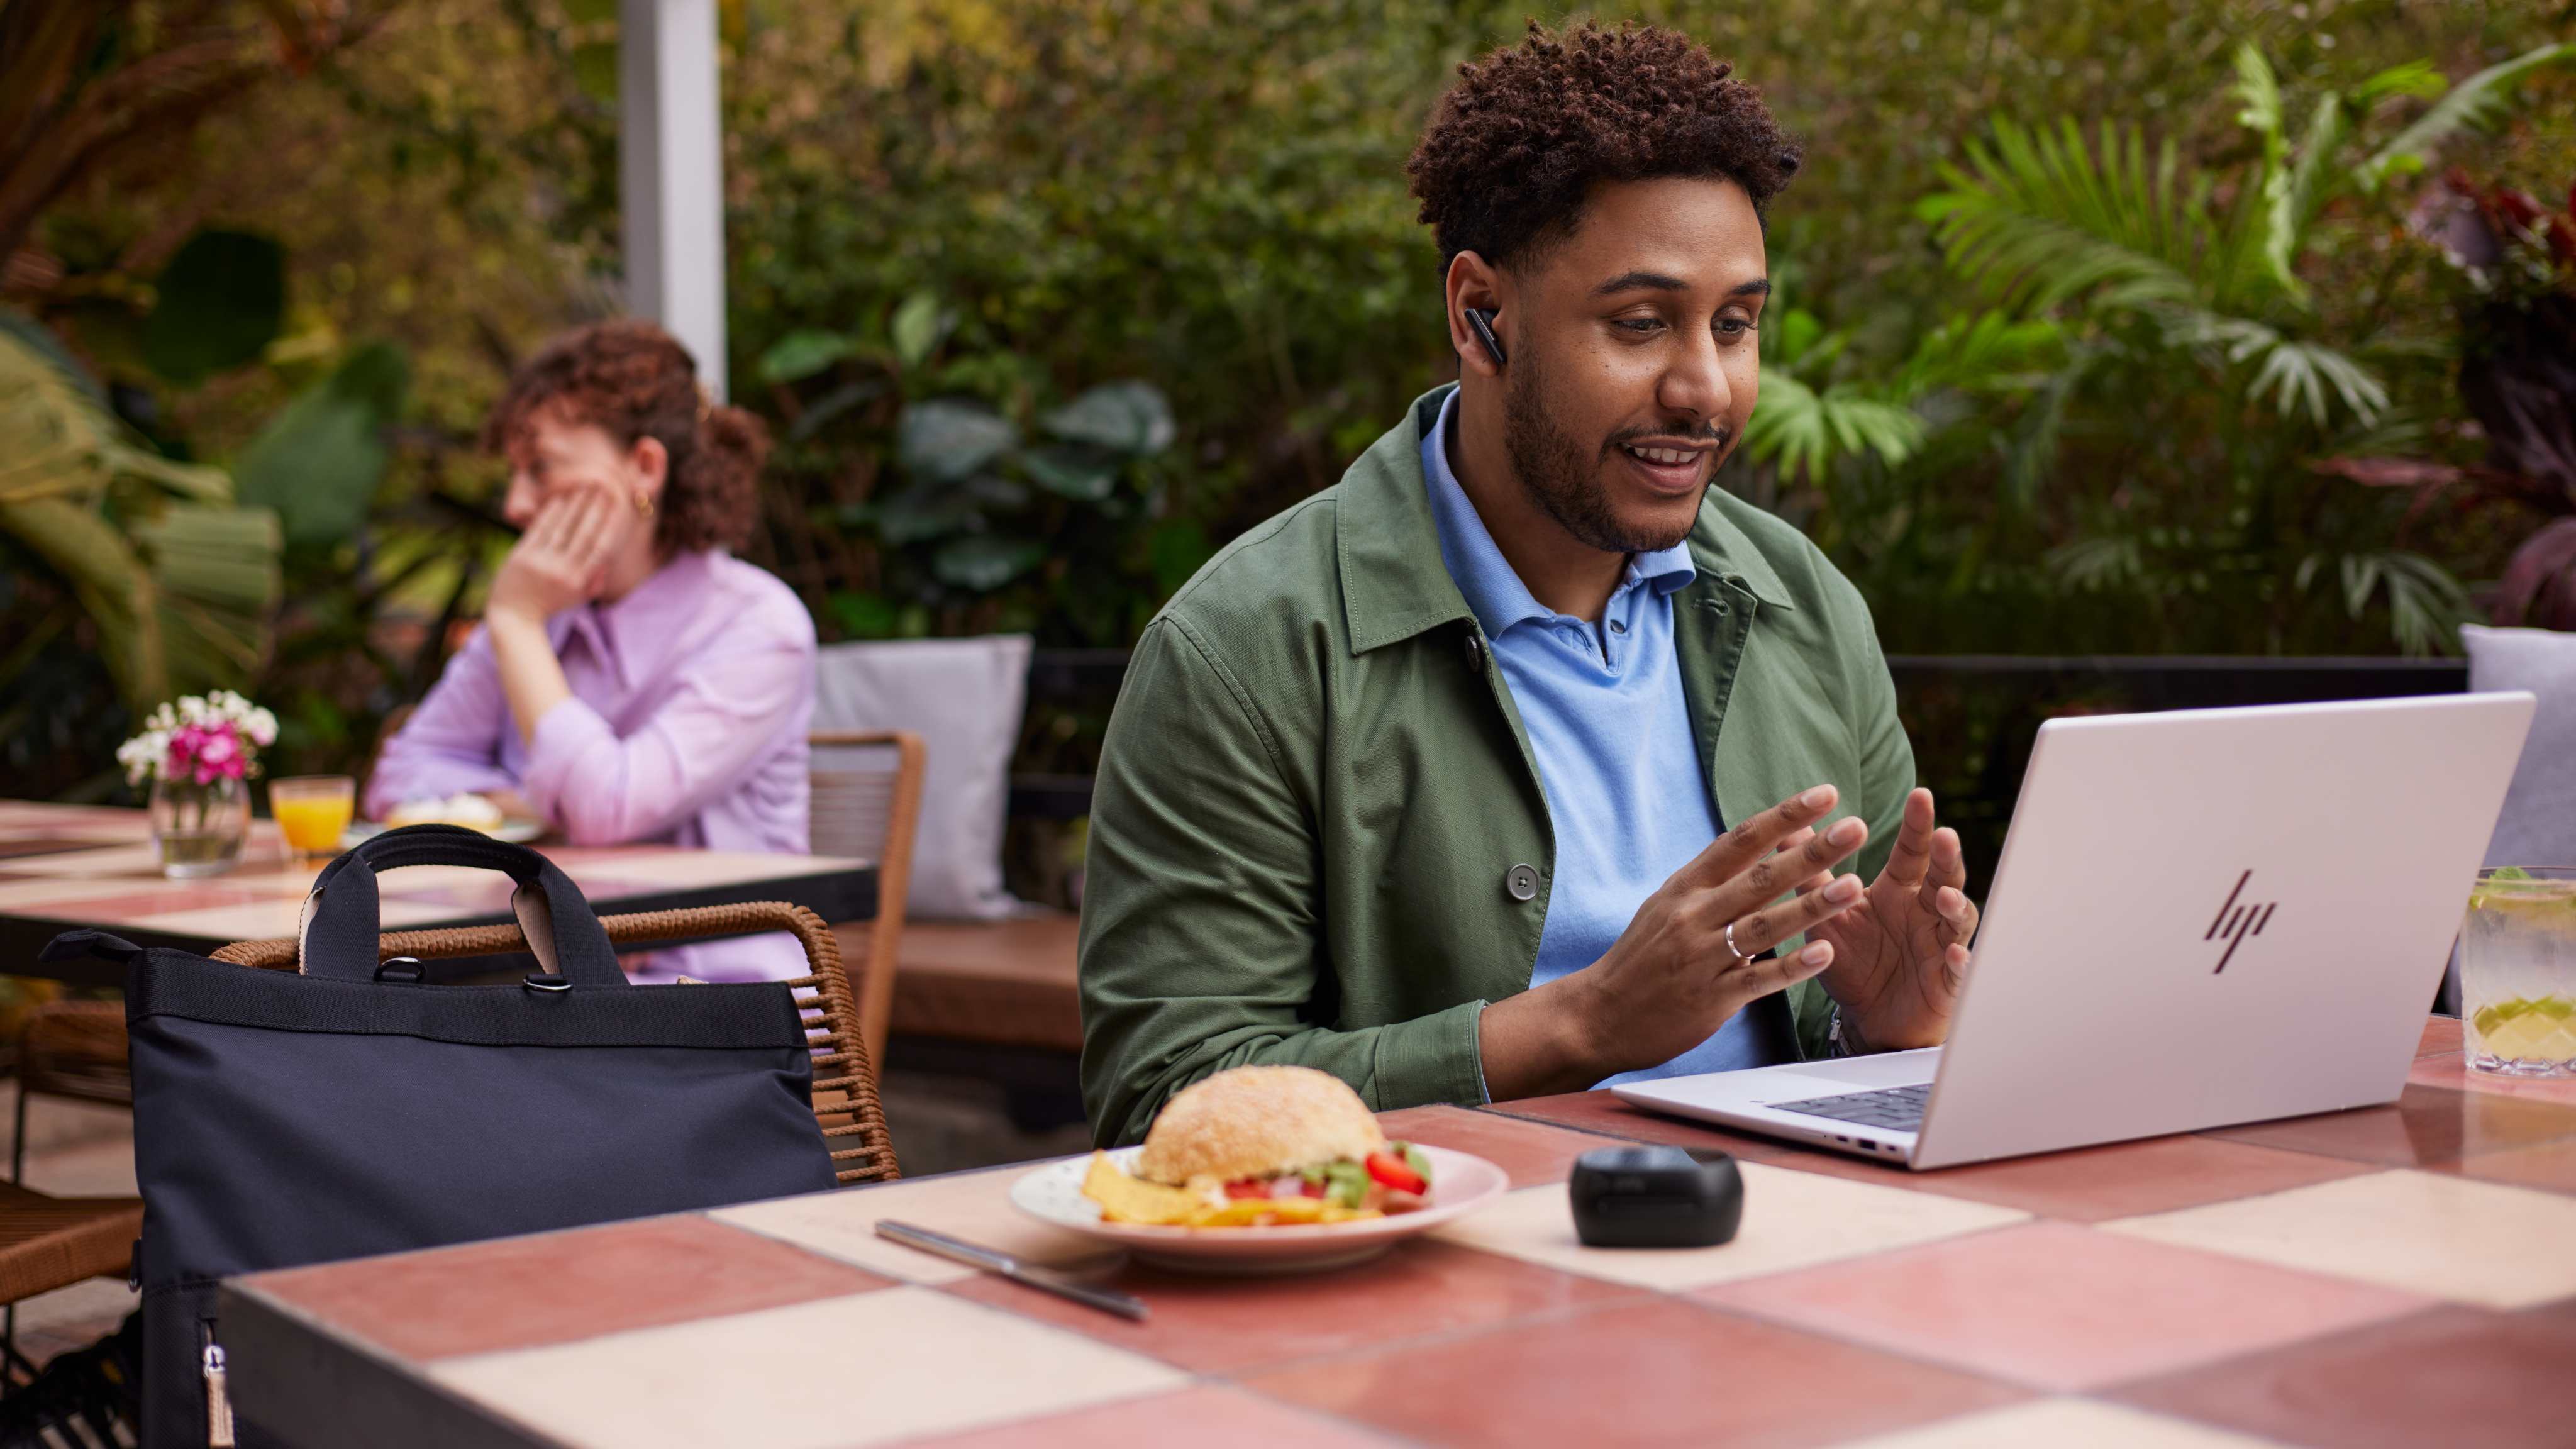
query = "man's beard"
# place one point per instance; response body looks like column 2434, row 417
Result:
column 1561, row 478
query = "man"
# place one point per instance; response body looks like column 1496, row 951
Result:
column 1428, row 781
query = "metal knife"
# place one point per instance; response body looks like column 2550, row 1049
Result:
column 1107, row 1300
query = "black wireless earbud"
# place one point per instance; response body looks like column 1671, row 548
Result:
column 1482, row 319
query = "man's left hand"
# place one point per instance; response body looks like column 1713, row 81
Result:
column 1901, row 952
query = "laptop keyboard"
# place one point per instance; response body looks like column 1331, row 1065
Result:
column 1899, row 1109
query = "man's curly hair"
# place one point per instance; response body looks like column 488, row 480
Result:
column 1514, row 149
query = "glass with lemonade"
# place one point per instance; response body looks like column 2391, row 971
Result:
column 2518, row 972
column 312, row 811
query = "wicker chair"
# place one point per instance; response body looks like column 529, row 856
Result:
column 845, row 1079
column 70, row 1049
column 872, row 812
column 73, row 1049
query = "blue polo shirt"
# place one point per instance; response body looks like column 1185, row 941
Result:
column 1627, row 794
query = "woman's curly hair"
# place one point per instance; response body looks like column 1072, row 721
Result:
column 1512, row 152
column 635, row 381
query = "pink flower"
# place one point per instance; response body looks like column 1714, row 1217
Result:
column 219, row 753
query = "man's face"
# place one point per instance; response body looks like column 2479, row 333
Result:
column 1634, row 364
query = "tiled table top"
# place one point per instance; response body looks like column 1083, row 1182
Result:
column 64, row 866
column 2401, row 1275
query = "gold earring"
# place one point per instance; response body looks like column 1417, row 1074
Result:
column 643, row 504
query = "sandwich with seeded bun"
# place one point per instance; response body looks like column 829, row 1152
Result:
column 1262, row 1146
column 1257, row 1122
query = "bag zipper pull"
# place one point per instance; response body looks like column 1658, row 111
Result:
column 219, row 1405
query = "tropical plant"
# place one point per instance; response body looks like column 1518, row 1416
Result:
column 2190, row 297
column 967, row 480
column 178, row 583
column 2517, row 378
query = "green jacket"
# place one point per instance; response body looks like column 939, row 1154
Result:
column 1315, row 785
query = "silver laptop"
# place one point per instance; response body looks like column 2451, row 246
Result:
column 2200, row 918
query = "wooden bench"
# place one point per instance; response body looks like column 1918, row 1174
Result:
column 1002, row 983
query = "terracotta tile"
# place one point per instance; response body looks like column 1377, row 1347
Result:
column 2425, row 1127
column 2061, row 1307
column 1671, row 1372
column 1214, row 1324
column 1791, row 1220
column 2450, row 1376
column 553, row 1287
column 179, row 896
column 1531, row 1153
column 2419, row 1232
column 281, row 917
column 975, row 1206
column 2059, row 1423
column 2441, row 1034
column 43, row 895
column 2551, row 1168
column 834, row 1374
column 1211, row 1416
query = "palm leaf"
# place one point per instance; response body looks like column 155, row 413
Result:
column 2419, row 78
column 112, row 584
column 2473, row 104
column 1980, row 352
column 2260, row 90
column 2098, row 564
column 2426, row 604
column 2039, row 219
column 2294, row 193
column 58, row 440
column 1802, row 432
column 178, row 586
column 2301, row 375
column 216, row 581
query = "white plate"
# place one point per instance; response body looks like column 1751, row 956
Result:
column 516, row 832
column 1460, row 1184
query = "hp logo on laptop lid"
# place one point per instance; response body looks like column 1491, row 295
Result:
column 2235, row 922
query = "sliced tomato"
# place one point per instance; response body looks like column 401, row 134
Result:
column 1394, row 1172
column 1249, row 1187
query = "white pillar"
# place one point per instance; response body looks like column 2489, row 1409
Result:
column 670, row 168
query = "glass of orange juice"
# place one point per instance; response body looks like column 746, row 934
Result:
column 312, row 811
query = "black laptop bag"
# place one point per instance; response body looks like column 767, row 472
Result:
column 283, row 1119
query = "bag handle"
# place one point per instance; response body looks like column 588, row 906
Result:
column 343, row 915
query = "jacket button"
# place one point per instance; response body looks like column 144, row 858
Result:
column 1521, row 881
column 1475, row 651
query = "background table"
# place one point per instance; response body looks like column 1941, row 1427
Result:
column 2401, row 1275
column 66, row 866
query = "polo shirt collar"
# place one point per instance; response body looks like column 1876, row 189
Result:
column 1492, row 588
column 1395, row 583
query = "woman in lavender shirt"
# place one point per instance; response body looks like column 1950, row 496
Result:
column 632, row 680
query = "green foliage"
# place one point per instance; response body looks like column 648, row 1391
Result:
column 968, row 495
column 175, row 584
column 2199, row 345
column 221, row 301
column 319, row 462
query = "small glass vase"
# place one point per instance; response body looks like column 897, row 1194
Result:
column 199, row 828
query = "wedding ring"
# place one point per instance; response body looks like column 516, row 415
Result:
column 1728, row 936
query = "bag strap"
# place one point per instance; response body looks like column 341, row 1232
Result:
column 343, row 915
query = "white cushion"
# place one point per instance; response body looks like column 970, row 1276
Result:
column 2538, row 826
column 963, row 697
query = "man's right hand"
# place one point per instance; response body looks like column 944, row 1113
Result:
column 1670, row 981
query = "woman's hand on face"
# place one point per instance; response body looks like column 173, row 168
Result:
column 560, row 561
